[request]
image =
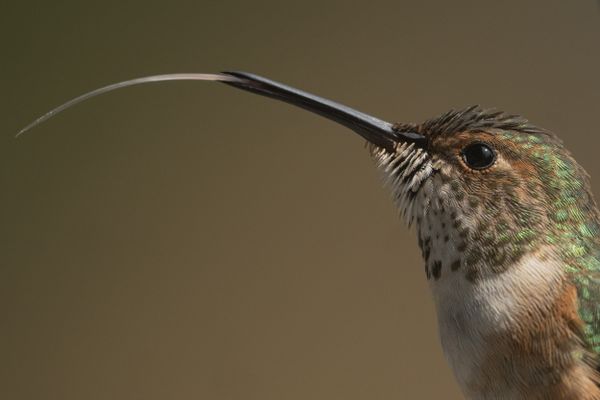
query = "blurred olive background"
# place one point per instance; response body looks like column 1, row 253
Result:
column 188, row 240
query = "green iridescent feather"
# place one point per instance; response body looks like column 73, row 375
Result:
column 576, row 231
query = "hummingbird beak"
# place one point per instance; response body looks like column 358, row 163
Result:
column 374, row 130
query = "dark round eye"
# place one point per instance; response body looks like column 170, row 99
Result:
column 479, row 155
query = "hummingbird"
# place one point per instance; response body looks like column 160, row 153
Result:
column 508, row 229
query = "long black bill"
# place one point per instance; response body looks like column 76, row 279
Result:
column 376, row 131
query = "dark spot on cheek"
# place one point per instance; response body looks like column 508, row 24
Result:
column 436, row 270
column 455, row 265
column 473, row 274
column 425, row 245
column 427, row 242
column 462, row 247
column 446, row 238
column 474, row 256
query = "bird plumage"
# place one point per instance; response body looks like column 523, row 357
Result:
column 511, row 252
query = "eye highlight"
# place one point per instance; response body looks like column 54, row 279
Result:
column 478, row 155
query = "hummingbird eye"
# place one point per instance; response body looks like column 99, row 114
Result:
column 478, row 155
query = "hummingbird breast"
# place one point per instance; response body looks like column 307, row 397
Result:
column 509, row 336
column 506, row 329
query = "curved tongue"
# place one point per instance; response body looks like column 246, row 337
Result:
column 376, row 131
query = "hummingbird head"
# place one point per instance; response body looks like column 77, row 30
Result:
column 485, row 188
column 482, row 188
